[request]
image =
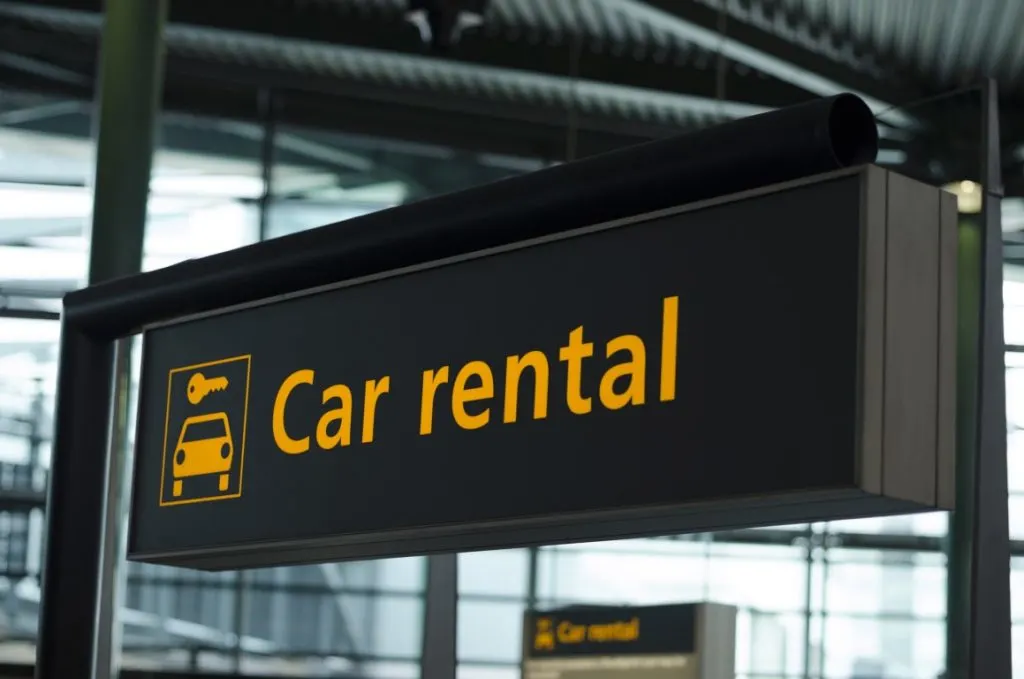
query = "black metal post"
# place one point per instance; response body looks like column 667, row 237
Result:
column 990, row 650
column 978, row 605
column 778, row 146
column 441, row 602
column 77, row 611
column 74, row 515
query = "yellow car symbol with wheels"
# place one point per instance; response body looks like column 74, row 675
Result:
column 204, row 447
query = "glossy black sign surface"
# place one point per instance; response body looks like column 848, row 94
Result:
column 636, row 371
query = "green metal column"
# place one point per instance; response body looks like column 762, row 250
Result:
column 130, row 84
column 79, row 632
column 961, row 521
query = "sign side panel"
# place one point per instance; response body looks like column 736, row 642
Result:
column 946, row 419
column 716, row 635
column 911, row 343
column 872, row 331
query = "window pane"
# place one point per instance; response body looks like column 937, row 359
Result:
column 764, row 577
column 884, row 583
column 490, row 631
column 883, row 647
column 470, row 671
column 577, row 576
column 501, row 573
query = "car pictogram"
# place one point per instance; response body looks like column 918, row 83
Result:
column 205, row 447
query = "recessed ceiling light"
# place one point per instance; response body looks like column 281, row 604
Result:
column 968, row 196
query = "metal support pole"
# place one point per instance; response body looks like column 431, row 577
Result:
column 441, row 605
column 238, row 622
column 978, row 610
column 128, row 105
column 533, row 557
column 74, row 515
column 828, row 542
column 808, row 597
column 961, row 521
column 86, row 510
column 268, row 115
column 990, row 654
column 112, row 575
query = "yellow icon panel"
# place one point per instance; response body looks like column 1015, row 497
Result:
column 544, row 639
column 204, row 431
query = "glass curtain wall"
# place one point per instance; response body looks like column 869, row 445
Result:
column 829, row 600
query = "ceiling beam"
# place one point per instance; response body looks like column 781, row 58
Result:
column 468, row 131
column 197, row 86
column 747, row 44
column 513, row 75
column 15, row 230
column 472, row 132
column 385, row 31
column 440, row 118
column 40, row 68
column 510, row 93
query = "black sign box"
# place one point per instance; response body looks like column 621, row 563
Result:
column 611, row 630
column 671, row 641
column 782, row 355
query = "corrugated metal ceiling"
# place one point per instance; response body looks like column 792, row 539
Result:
column 939, row 42
column 945, row 42
column 603, row 24
column 514, row 19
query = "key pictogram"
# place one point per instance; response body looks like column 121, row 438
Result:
column 204, row 441
column 199, row 385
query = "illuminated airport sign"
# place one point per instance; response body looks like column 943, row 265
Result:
column 750, row 360
column 611, row 631
column 674, row 641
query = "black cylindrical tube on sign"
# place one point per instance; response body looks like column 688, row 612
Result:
column 800, row 141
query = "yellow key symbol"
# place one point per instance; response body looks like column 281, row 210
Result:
column 199, row 386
